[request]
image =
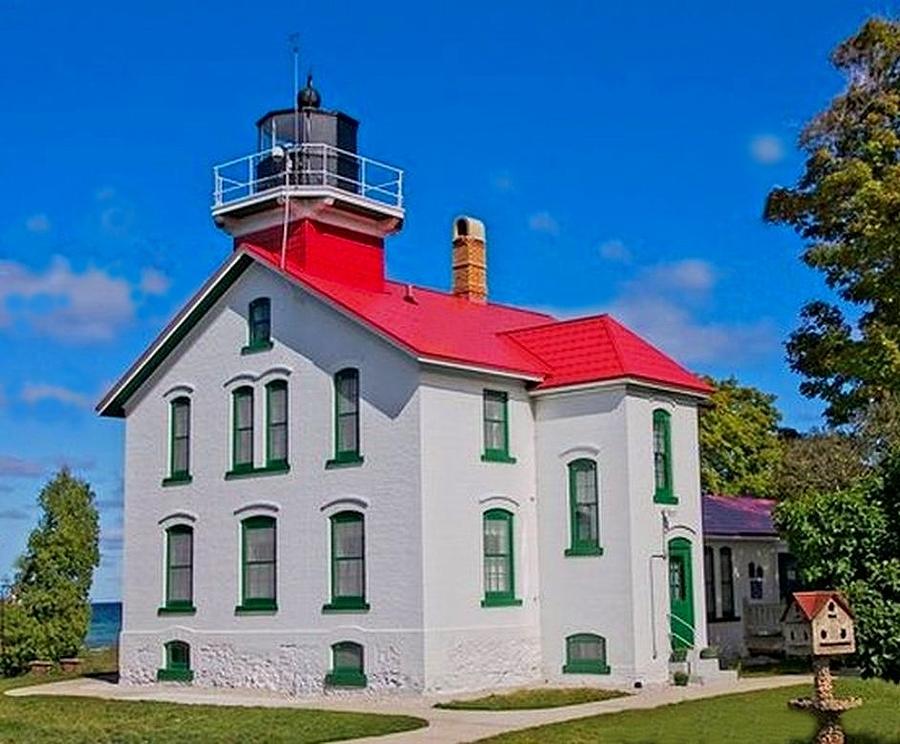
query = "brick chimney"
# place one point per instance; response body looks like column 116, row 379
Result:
column 469, row 260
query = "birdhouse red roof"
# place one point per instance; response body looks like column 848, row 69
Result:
column 811, row 603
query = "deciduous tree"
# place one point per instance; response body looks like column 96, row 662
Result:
column 846, row 207
column 739, row 445
column 850, row 540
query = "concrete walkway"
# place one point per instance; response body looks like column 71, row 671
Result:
column 445, row 726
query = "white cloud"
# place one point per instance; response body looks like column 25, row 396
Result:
column 154, row 282
column 64, row 304
column 38, row 223
column 767, row 149
column 37, row 393
column 688, row 339
column 615, row 251
column 17, row 467
column 687, row 275
column 543, row 222
column 661, row 303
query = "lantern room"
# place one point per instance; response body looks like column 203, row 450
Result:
column 307, row 158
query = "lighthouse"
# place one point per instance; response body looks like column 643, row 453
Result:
column 308, row 196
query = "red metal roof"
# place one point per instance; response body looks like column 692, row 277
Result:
column 811, row 603
column 442, row 326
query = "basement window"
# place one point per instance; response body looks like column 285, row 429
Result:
column 178, row 663
column 347, row 665
column 585, row 654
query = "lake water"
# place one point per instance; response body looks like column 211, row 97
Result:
column 106, row 622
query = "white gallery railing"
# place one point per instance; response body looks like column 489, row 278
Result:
column 307, row 167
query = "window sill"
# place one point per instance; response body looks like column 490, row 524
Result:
column 345, row 461
column 498, row 457
column 271, row 469
column 665, row 498
column 584, row 551
column 174, row 675
column 256, row 348
column 580, row 669
column 177, row 480
column 724, row 619
column 501, row 602
column 261, row 608
column 346, row 605
column 177, row 610
column 345, row 679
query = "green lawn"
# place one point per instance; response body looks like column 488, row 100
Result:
column 748, row 718
column 537, row 698
column 64, row 720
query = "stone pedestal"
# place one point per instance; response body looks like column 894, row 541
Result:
column 824, row 705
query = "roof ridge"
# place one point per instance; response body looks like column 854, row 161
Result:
column 556, row 322
column 450, row 295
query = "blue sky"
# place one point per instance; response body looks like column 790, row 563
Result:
column 620, row 157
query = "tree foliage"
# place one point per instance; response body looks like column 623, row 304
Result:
column 850, row 540
column 846, row 207
column 819, row 463
column 739, row 447
column 49, row 612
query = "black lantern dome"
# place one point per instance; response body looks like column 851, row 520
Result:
column 309, row 97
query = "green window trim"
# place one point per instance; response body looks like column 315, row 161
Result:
column 259, row 326
column 257, row 602
column 274, row 469
column 662, row 458
column 499, row 563
column 576, row 663
column 276, row 427
column 242, row 429
column 179, row 569
column 347, row 665
column 346, row 420
column 179, row 441
column 495, row 427
column 345, row 560
column 584, row 509
column 179, row 480
column 178, row 663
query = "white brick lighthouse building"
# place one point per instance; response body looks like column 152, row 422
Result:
column 333, row 479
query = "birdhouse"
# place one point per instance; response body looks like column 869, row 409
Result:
column 818, row 624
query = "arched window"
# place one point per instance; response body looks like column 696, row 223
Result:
column 178, row 663
column 242, row 430
column 347, row 665
column 346, row 419
column 709, row 576
column 755, row 574
column 348, row 562
column 586, row 654
column 277, row 425
column 179, row 570
column 258, row 564
column 584, row 509
column 499, row 560
column 662, row 457
column 726, row 582
column 259, row 326
column 179, row 441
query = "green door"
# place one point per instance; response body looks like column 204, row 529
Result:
column 681, row 593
